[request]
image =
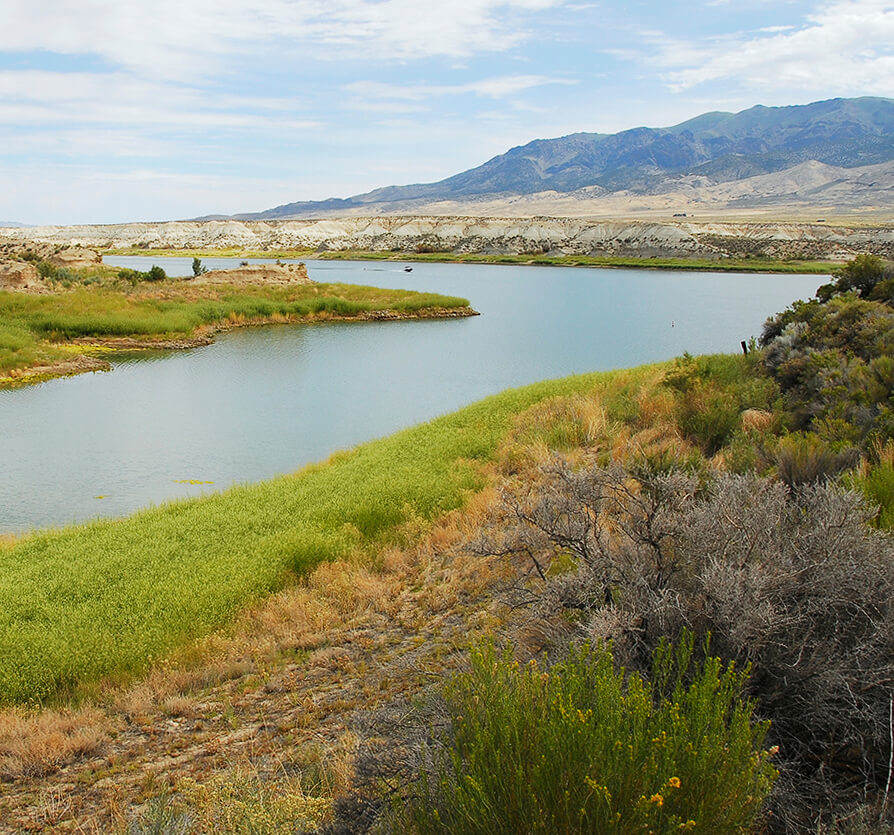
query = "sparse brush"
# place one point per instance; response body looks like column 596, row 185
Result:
column 162, row 816
column 37, row 743
column 244, row 800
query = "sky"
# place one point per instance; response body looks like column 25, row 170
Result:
column 124, row 110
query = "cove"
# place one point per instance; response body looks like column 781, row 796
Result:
column 264, row 401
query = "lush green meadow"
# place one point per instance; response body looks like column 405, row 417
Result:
column 33, row 326
column 109, row 597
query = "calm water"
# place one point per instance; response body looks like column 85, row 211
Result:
column 264, row 401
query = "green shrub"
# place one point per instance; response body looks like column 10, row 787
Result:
column 833, row 364
column 156, row 273
column 583, row 747
column 862, row 274
column 712, row 392
column 878, row 487
column 806, row 459
column 875, row 480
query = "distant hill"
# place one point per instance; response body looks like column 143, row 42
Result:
column 11, row 224
column 702, row 153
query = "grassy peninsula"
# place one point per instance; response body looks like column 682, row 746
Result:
column 109, row 597
column 89, row 311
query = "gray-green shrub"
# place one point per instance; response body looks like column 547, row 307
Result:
column 794, row 583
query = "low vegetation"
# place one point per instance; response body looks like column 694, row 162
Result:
column 584, row 747
column 109, row 597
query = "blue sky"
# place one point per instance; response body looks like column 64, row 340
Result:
column 119, row 110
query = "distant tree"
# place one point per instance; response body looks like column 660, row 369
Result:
column 198, row 268
column 156, row 273
column 861, row 274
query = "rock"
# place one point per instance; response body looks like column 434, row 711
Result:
column 21, row 277
column 75, row 257
column 262, row 274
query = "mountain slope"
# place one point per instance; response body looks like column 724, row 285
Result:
column 720, row 147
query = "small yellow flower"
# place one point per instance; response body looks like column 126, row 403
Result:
column 657, row 798
column 674, row 782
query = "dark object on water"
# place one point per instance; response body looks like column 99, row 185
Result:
column 408, row 269
column 744, row 347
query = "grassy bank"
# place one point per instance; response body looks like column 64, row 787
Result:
column 109, row 597
column 761, row 265
column 35, row 329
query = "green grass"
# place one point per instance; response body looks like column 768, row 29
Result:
column 583, row 748
column 109, row 597
column 29, row 324
column 19, row 347
column 762, row 265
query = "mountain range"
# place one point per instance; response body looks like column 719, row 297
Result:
column 837, row 153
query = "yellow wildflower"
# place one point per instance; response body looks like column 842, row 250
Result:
column 674, row 782
column 657, row 798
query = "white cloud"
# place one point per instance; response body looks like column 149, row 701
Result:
column 77, row 194
column 40, row 98
column 171, row 37
column 845, row 47
column 495, row 88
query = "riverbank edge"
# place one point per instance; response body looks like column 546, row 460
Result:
column 84, row 361
column 424, row 470
column 757, row 265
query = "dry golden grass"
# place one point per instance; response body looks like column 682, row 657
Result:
column 654, row 442
column 883, row 452
column 38, row 743
column 756, row 420
column 655, row 406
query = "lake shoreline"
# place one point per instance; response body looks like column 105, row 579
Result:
column 736, row 265
column 84, row 362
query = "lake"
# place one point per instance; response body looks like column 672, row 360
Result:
column 267, row 400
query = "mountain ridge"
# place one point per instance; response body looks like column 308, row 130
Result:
column 718, row 146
